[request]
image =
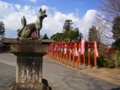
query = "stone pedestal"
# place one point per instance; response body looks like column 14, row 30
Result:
column 29, row 64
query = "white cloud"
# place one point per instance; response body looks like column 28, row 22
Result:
column 51, row 25
column 12, row 18
column 33, row 0
column 26, row 7
column 17, row 6
column 45, row 7
column 90, row 16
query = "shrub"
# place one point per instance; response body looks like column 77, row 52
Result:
column 101, row 62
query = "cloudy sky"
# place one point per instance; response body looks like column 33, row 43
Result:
column 82, row 13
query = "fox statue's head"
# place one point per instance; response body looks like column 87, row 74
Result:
column 42, row 14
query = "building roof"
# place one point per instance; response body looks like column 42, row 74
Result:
column 9, row 40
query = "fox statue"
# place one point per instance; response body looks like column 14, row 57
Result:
column 27, row 30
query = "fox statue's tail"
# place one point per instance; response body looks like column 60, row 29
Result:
column 23, row 21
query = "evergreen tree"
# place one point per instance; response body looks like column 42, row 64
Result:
column 2, row 30
column 68, row 33
column 73, row 34
column 92, row 34
column 116, row 28
column 67, row 27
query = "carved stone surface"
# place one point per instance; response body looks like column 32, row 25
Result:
column 29, row 69
column 28, row 86
column 29, row 64
column 27, row 30
column 29, row 48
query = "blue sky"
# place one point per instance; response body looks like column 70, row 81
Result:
column 64, row 6
column 82, row 13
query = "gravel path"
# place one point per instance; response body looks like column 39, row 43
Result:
column 7, row 76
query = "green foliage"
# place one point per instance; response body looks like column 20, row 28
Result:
column 92, row 34
column 2, row 29
column 116, row 44
column 66, row 30
column 117, row 57
column 69, row 33
column 116, row 54
column 116, row 28
column 67, row 26
column 73, row 34
column 101, row 62
column 56, row 37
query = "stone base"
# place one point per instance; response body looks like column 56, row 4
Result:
column 28, row 86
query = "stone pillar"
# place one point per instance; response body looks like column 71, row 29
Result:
column 29, row 64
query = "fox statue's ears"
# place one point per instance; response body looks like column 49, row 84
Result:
column 40, row 10
column 44, row 10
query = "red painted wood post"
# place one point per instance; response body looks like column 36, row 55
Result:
column 94, row 57
column 88, row 55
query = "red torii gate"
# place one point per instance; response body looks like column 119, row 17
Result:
column 56, row 49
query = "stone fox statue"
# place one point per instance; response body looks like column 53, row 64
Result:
column 27, row 30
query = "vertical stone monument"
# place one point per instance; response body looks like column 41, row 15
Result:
column 30, row 52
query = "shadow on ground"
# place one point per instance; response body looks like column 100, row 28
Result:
column 45, row 82
column 116, row 88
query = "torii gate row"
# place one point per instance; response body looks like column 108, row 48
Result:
column 59, row 46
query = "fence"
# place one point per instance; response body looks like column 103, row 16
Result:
column 69, row 52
